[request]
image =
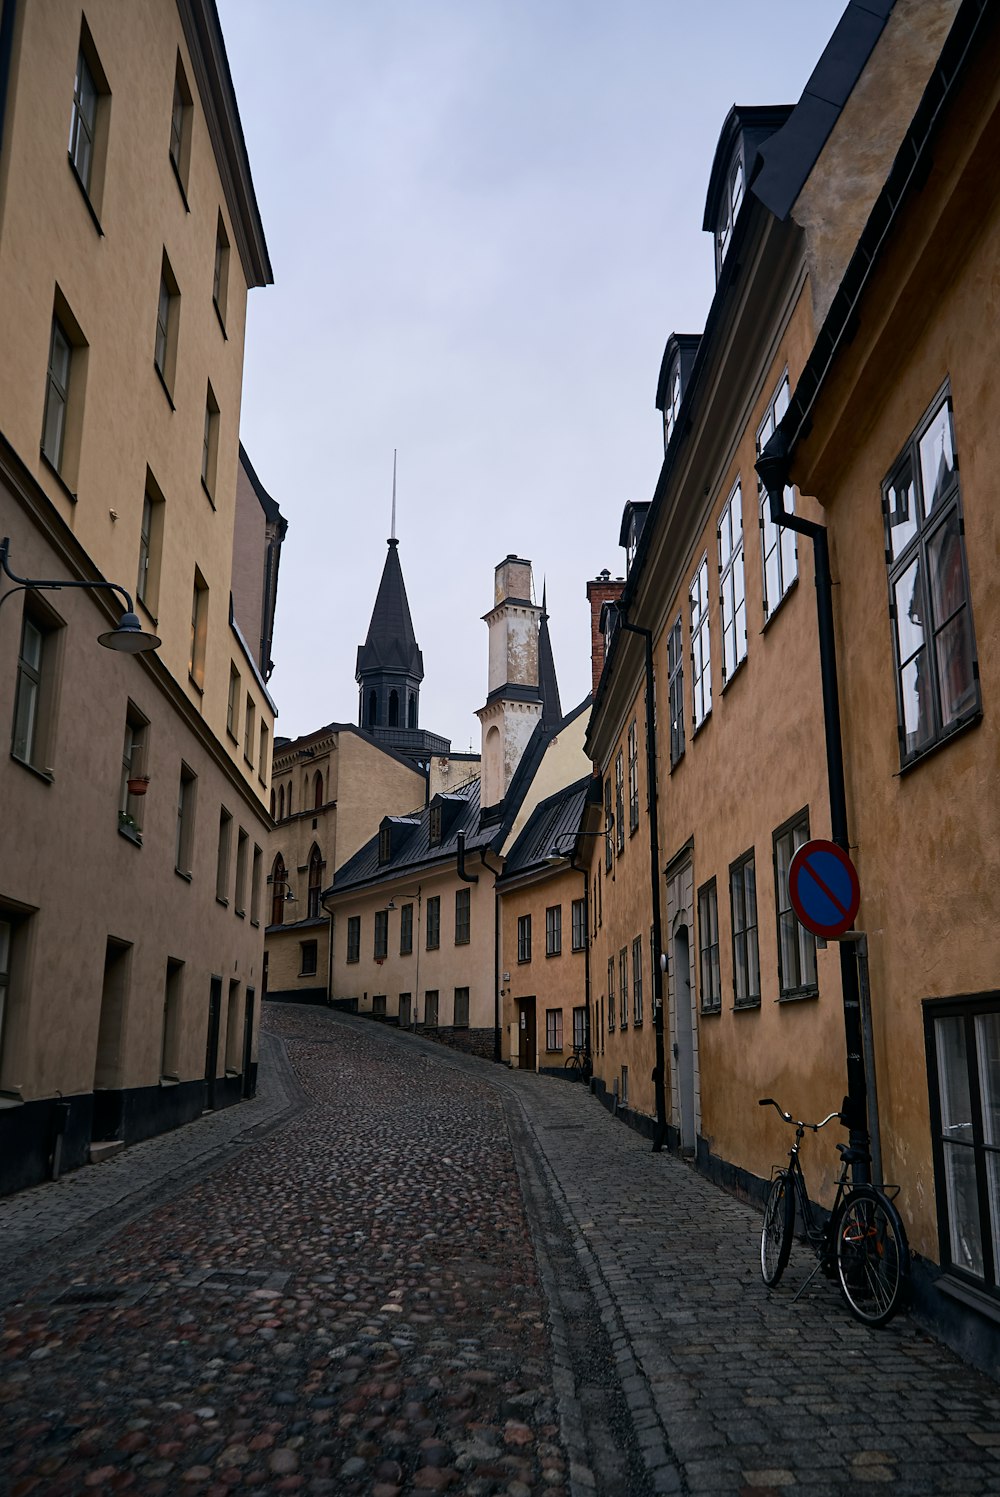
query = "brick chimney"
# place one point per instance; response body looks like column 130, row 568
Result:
column 603, row 589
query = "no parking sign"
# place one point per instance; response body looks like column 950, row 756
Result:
column 823, row 887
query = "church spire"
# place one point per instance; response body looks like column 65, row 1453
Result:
column 548, row 686
column 390, row 665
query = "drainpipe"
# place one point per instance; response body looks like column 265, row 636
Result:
column 497, row 1053
column 772, row 467
column 329, row 952
column 660, row 1134
column 586, row 956
column 7, row 18
column 469, row 878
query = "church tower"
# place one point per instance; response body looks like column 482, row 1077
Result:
column 390, row 665
column 521, row 687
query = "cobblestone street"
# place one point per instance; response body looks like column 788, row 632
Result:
column 399, row 1269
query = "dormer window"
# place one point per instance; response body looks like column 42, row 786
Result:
column 729, row 209
column 672, row 407
column 384, row 844
column 435, row 826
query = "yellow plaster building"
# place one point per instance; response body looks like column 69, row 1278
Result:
column 134, row 823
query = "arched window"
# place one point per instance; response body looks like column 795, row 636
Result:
column 289, row 797
column 272, row 805
column 412, row 712
column 394, row 709
column 318, row 802
column 281, row 802
column 279, row 885
column 372, row 708
column 315, row 883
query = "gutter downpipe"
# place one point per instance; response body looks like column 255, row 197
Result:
column 659, row 1137
column 586, row 956
column 772, row 467
column 496, row 872
column 469, row 878
column 329, row 951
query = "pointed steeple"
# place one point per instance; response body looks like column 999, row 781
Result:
column 390, row 666
column 548, row 686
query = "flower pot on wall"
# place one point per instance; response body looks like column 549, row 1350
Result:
column 138, row 784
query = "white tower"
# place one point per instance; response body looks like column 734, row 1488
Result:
column 513, row 702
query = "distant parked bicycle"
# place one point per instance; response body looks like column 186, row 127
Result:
column 578, row 1065
column 863, row 1243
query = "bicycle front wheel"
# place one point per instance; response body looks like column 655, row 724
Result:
column 778, row 1229
column 571, row 1065
column 872, row 1255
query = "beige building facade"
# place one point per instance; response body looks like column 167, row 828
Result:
column 135, row 824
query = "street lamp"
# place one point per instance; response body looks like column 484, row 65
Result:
column 128, row 636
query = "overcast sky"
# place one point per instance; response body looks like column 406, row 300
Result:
column 484, row 218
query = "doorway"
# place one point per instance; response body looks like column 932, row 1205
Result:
column 526, row 1052
column 248, row 1086
column 212, row 1042
column 684, row 1037
column 109, row 1062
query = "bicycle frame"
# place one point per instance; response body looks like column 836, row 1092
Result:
column 818, row 1236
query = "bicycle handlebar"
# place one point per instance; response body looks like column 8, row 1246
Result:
column 787, row 1117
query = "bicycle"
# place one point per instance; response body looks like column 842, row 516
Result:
column 578, row 1065
column 862, row 1244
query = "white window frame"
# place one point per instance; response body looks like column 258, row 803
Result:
column 778, row 544
column 701, row 646
column 732, row 584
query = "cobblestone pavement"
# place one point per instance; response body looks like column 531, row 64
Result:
column 402, row 1270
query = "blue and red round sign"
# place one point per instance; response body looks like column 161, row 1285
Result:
column 823, row 887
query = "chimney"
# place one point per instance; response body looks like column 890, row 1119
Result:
column 603, row 589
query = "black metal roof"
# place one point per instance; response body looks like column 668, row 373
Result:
column 547, row 683
column 391, row 643
column 754, row 122
column 555, row 822
column 416, row 852
column 267, row 504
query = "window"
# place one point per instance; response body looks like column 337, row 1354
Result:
column 701, row 647
column 578, row 914
column 746, row 956
column 308, row 957
column 461, row 1008
column 233, row 705
column 733, row 197
column 675, row 691
column 619, row 802
column 609, row 846
column 933, row 643
column 434, row 826
column 38, row 659
column 623, row 985
column 553, row 930
column 378, row 1005
column 633, row 778
column 318, row 790
column 147, row 586
column 381, row 944
column 258, row 859
column 242, row 849
column 167, row 316
column 434, row 922
column 708, row 945
column 431, row 1008
column 796, row 946
column 199, row 630
column 233, row 1035
column 637, row 980
column 281, row 802
column 210, row 445
column 611, row 993
column 186, row 796
column 671, row 409
column 65, row 382
column 406, row 930
column 220, row 273
column 180, row 129
column 131, row 789
column 732, row 587
column 404, row 1010
column 384, row 844
column 963, row 1059
column 249, row 729
column 553, row 1029
column 315, row 886
column 279, row 884
column 222, row 861
column 778, row 546
column 463, row 916
column 524, row 938
column 88, row 123
column 353, row 938
column 170, row 1039
column 579, row 1027
column 262, row 757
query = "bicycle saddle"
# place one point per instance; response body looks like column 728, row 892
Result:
column 852, row 1156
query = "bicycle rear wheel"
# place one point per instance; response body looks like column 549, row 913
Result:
column 778, row 1229
column 572, row 1067
column 872, row 1255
